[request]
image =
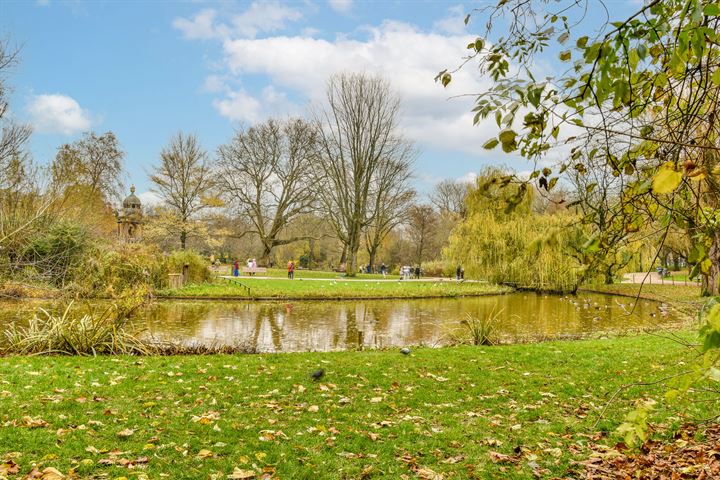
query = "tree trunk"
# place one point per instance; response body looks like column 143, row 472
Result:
column 372, row 252
column 311, row 253
column 353, row 247
column 343, row 256
column 183, row 240
column 265, row 257
column 711, row 282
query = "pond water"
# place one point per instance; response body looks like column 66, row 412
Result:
column 289, row 326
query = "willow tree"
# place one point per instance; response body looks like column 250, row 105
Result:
column 647, row 85
column 516, row 245
column 358, row 135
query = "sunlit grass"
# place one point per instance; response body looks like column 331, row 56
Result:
column 265, row 288
column 378, row 412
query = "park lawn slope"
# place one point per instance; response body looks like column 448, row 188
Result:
column 320, row 289
column 301, row 273
column 686, row 298
column 519, row 411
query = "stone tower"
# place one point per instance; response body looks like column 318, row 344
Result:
column 130, row 219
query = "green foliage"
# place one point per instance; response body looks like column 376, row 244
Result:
column 502, row 244
column 73, row 333
column 198, row 266
column 54, row 253
column 638, row 101
column 481, row 330
column 116, row 270
column 635, row 427
column 438, row 268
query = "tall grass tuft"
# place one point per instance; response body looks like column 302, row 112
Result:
column 482, row 330
column 74, row 333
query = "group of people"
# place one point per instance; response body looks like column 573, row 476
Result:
column 251, row 264
column 408, row 272
column 459, row 273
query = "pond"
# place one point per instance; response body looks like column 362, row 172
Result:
column 291, row 326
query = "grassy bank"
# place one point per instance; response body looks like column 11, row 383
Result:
column 282, row 273
column 464, row 412
column 684, row 297
column 299, row 289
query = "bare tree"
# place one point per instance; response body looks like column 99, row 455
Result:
column 357, row 135
column 392, row 196
column 266, row 173
column 184, row 181
column 422, row 225
column 448, row 196
column 12, row 135
column 94, row 161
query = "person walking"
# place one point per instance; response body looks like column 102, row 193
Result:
column 291, row 270
column 383, row 270
column 457, row 272
column 236, row 268
column 417, row 272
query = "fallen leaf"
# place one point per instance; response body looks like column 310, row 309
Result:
column 239, row 473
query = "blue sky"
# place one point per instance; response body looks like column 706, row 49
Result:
column 148, row 69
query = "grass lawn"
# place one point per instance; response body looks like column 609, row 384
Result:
column 461, row 412
column 282, row 273
column 665, row 293
column 265, row 288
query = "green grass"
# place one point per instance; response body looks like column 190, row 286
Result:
column 282, row 273
column 377, row 412
column 666, row 293
column 298, row 289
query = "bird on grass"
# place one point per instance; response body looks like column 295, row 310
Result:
column 318, row 374
column 405, row 351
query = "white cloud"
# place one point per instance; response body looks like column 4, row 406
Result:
column 150, row 199
column 201, row 26
column 239, row 106
column 259, row 17
column 302, row 66
column 454, row 22
column 56, row 113
column 469, row 177
column 342, row 6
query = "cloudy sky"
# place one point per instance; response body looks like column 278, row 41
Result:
column 148, row 69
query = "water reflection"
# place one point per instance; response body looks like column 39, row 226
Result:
column 324, row 326
column 336, row 325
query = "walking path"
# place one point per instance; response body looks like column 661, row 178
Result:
column 654, row 278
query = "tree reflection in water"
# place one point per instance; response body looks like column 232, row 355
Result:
column 336, row 325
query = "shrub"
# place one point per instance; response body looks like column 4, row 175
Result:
column 198, row 266
column 481, row 330
column 118, row 270
column 55, row 252
column 438, row 268
column 73, row 334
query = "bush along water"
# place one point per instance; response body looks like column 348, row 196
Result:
column 75, row 330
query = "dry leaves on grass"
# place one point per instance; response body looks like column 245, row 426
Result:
column 685, row 457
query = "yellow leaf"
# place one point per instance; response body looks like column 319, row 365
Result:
column 667, row 179
column 128, row 432
column 205, row 453
column 239, row 473
column 51, row 473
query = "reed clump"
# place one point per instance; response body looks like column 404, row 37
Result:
column 74, row 333
column 481, row 330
